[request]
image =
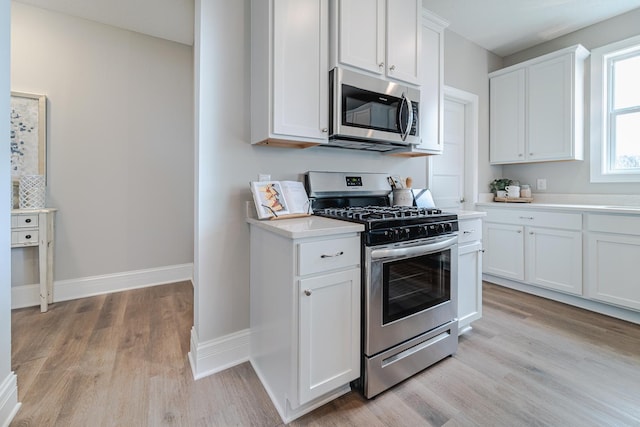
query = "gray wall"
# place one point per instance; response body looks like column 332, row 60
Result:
column 574, row 177
column 120, row 143
column 5, row 227
column 466, row 66
column 226, row 162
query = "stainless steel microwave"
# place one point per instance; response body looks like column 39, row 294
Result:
column 370, row 113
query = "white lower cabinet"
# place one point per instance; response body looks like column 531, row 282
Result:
column 329, row 351
column 504, row 250
column 305, row 317
column 469, row 273
column 554, row 259
column 535, row 247
column 613, row 248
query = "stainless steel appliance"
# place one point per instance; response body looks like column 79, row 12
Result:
column 409, row 276
column 369, row 113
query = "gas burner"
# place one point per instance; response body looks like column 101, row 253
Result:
column 365, row 213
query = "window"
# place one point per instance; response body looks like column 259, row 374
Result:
column 615, row 112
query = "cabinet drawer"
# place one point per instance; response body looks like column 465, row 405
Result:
column 324, row 255
column 20, row 221
column 567, row 221
column 469, row 230
column 24, row 237
column 622, row 224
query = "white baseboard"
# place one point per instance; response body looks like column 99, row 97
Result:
column 213, row 356
column 9, row 404
column 64, row 290
column 629, row 315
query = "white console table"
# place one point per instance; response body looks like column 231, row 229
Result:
column 34, row 227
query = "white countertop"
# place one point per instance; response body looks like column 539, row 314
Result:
column 310, row 226
column 632, row 210
column 314, row 226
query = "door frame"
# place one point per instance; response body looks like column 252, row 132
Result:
column 470, row 102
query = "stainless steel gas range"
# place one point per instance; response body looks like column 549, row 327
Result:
column 409, row 276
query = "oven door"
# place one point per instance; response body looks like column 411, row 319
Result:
column 410, row 288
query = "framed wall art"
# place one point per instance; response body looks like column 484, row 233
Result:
column 28, row 135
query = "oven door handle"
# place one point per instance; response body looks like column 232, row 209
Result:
column 413, row 250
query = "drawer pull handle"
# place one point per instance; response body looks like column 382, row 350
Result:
column 28, row 236
column 468, row 231
column 526, row 217
column 307, row 292
column 332, row 256
column 28, row 220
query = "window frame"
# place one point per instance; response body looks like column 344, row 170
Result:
column 601, row 117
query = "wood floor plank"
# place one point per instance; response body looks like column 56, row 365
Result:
column 120, row 360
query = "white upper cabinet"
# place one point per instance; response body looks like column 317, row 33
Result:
column 536, row 109
column 431, row 88
column 289, row 72
column 507, row 117
column 379, row 36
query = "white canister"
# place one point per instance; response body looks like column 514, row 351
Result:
column 513, row 191
column 403, row 197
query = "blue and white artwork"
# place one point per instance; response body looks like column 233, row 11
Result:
column 27, row 156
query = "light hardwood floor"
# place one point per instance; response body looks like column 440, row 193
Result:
column 120, row 360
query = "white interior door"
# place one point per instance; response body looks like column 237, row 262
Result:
column 453, row 174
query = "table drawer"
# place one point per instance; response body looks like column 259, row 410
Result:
column 24, row 238
column 21, row 221
column 325, row 255
column 469, row 230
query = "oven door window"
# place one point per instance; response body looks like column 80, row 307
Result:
column 415, row 284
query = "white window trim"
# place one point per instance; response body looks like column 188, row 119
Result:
column 599, row 154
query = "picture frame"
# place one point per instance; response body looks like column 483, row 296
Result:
column 28, row 139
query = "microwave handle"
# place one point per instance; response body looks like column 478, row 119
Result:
column 405, row 101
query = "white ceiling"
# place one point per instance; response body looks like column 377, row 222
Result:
column 167, row 19
column 508, row 26
column 501, row 26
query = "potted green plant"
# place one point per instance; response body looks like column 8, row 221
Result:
column 498, row 186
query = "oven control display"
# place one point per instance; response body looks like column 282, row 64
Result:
column 354, row 181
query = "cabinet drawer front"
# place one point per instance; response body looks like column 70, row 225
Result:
column 569, row 221
column 24, row 237
column 21, row 221
column 469, row 230
column 622, row 224
column 325, row 255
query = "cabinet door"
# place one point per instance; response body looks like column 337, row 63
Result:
column 613, row 271
column 361, row 34
column 507, row 117
column 431, row 91
column 469, row 285
column 550, row 116
column 403, row 40
column 504, row 250
column 554, row 259
column 329, row 334
column 300, row 62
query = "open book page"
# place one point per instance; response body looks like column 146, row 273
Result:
column 278, row 198
column 296, row 196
